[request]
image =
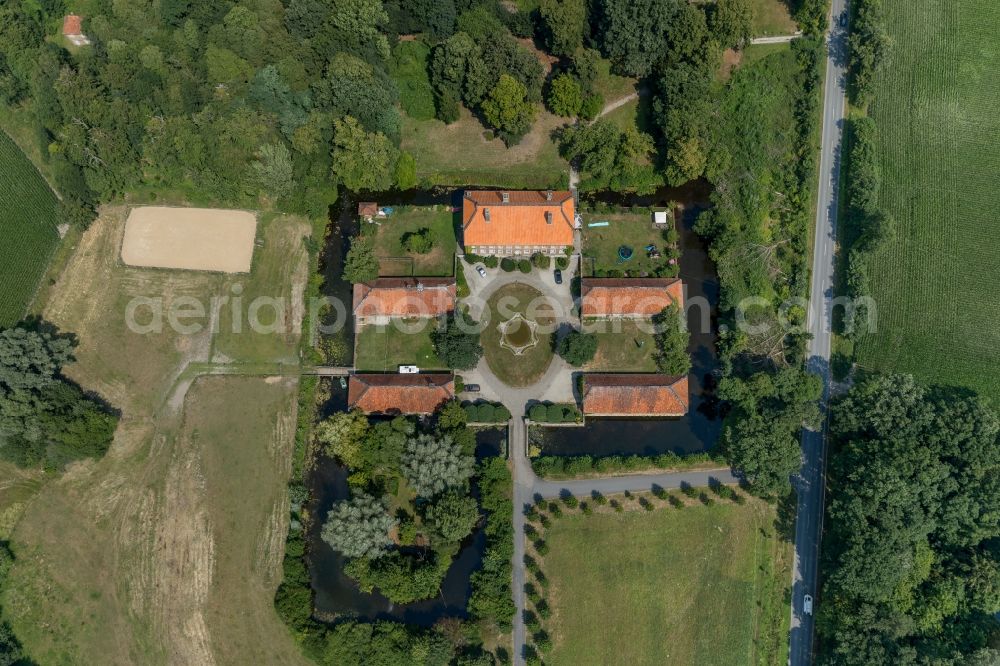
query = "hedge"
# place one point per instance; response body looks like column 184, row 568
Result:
column 486, row 412
column 561, row 467
column 554, row 413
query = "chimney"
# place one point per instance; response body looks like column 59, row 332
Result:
column 505, row 196
column 548, row 195
column 548, row 217
column 486, row 214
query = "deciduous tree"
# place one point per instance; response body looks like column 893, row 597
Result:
column 359, row 527
column 433, row 464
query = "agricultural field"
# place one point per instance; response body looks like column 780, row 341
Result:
column 29, row 215
column 701, row 584
column 391, row 236
column 384, row 348
column 936, row 284
column 185, row 517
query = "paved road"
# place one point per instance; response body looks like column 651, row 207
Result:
column 810, row 481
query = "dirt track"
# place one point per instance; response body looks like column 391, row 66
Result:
column 203, row 239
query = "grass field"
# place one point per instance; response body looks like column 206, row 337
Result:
column 526, row 369
column 771, row 17
column 622, row 347
column 439, row 262
column 937, row 284
column 28, row 219
column 600, row 244
column 168, row 550
column 387, row 347
column 698, row 585
column 460, row 154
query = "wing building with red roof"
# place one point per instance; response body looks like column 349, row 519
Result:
column 400, row 394
column 635, row 395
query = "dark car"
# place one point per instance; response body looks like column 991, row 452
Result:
column 472, row 388
column 843, row 20
column 558, row 276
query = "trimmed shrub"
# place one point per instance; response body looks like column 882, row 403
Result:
column 507, row 264
column 491, row 262
column 501, row 414
column 486, row 413
column 538, row 413
column 562, row 263
column 524, row 266
column 554, row 413
column 571, row 501
column 541, row 260
column 471, row 412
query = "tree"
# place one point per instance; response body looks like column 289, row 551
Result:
column 672, row 339
column 419, row 241
column 457, row 343
column 565, row 96
column 452, row 516
column 361, row 264
column 31, row 359
column 433, row 464
column 343, row 434
column 577, row 348
column 358, row 527
column 508, row 109
column 636, row 32
column 565, row 21
column 362, row 160
column 731, row 22
column 273, row 170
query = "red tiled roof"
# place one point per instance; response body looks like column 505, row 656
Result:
column 635, row 395
column 367, row 209
column 72, row 25
column 404, row 297
column 643, row 297
column 400, row 394
column 526, row 218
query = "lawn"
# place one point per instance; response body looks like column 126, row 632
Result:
column 186, row 515
column 771, row 17
column 936, row 284
column 622, row 346
column 634, row 229
column 527, row 368
column 387, row 347
column 698, row 585
column 395, row 259
column 29, row 214
column 463, row 153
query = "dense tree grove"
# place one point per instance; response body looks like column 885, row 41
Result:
column 672, row 337
column 869, row 43
column 220, row 101
column 457, row 343
column 911, row 554
column 44, row 418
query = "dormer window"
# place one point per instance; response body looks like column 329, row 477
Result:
column 486, row 214
column 505, row 196
column 548, row 217
column 548, row 195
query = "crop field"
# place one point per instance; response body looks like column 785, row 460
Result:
column 28, row 218
column 937, row 283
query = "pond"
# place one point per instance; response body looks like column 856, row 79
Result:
column 337, row 596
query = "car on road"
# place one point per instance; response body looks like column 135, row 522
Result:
column 481, row 271
column 843, row 19
column 472, row 388
column 558, row 276
column 807, row 604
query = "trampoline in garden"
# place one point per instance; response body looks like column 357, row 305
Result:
column 624, row 253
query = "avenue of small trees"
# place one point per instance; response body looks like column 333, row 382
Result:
column 911, row 554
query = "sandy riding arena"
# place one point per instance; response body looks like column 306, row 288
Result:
column 201, row 239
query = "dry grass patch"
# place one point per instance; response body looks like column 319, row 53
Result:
column 202, row 239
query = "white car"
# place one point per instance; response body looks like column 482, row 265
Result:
column 807, row 604
column 481, row 271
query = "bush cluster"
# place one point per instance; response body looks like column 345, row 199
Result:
column 486, row 412
column 524, row 266
column 507, row 264
column 554, row 413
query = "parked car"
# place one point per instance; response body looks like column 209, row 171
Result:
column 481, row 271
column 472, row 388
column 843, row 19
column 558, row 275
column 807, row 604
